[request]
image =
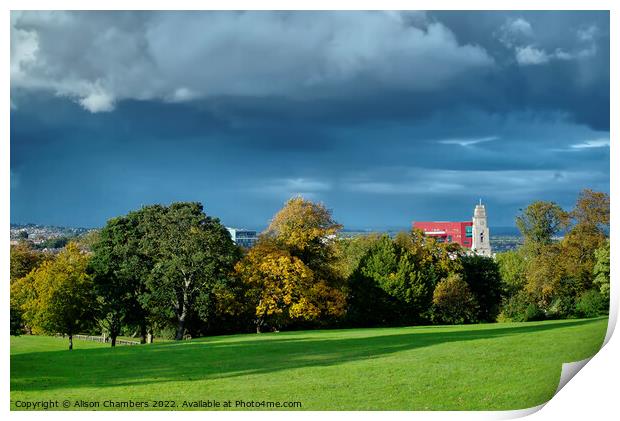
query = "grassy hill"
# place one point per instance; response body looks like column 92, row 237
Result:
column 471, row 367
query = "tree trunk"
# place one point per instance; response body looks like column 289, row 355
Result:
column 180, row 328
column 115, row 330
column 182, row 314
column 143, row 333
column 70, row 341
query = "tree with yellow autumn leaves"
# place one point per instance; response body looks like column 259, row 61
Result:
column 290, row 273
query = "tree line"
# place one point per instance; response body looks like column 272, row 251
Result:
column 173, row 271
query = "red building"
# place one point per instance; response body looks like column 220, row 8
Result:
column 450, row 232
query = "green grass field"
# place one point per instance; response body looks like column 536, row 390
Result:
column 472, row 367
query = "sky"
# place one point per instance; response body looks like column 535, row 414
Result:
column 385, row 117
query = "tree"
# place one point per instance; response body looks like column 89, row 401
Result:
column 23, row 259
column 544, row 275
column 87, row 241
column 444, row 257
column 22, row 292
column 299, row 247
column 119, row 270
column 406, row 278
column 349, row 252
column 59, row 294
column 484, row 280
column 592, row 210
column 588, row 233
column 453, row 301
column 512, row 269
column 589, row 304
column 601, row 271
column 278, row 285
column 520, row 307
column 540, row 222
column 308, row 231
column 191, row 253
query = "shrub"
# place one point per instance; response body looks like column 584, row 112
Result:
column 561, row 308
column 166, row 332
column 589, row 304
column 453, row 301
column 520, row 308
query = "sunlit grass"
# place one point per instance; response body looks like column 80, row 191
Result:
column 489, row 366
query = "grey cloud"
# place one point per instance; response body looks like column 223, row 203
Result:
column 519, row 35
column 515, row 31
column 504, row 185
column 99, row 58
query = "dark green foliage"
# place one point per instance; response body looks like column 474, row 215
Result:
column 15, row 321
column 589, row 304
column 160, row 265
column 563, row 305
column 191, row 252
column 119, row 269
column 483, row 278
column 391, row 286
column 520, row 308
column 368, row 304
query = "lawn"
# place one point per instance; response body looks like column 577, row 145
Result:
column 471, row 367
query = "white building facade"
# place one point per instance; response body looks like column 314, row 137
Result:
column 481, row 243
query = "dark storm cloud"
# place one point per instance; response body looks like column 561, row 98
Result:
column 386, row 117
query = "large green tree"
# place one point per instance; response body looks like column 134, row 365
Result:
column 120, row 269
column 394, row 282
column 191, row 253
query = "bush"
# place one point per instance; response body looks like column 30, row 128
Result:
column 166, row 332
column 453, row 302
column 561, row 308
column 589, row 304
column 520, row 308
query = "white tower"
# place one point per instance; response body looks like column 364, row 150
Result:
column 480, row 232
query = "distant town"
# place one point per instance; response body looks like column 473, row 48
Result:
column 53, row 238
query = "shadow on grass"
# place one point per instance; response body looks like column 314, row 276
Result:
column 219, row 357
